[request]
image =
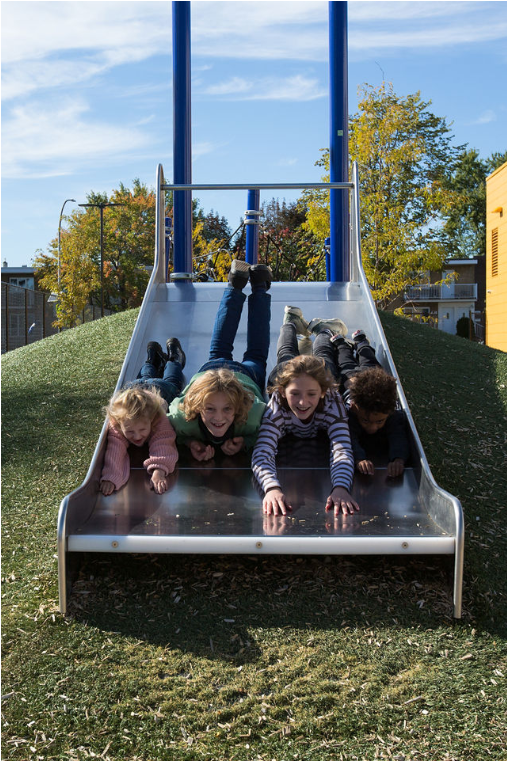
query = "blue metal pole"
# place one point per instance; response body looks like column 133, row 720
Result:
column 182, row 137
column 339, row 260
column 252, row 226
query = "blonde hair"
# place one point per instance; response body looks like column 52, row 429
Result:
column 136, row 403
column 313, row 366
column 220, row 380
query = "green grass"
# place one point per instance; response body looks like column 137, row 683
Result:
column 251, row 658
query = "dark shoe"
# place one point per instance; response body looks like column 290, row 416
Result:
column 260, row 276
column 156, row 356
column 175, row 352
column 359, row 336
column 238, row 275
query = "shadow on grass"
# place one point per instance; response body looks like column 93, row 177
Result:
column 212, row 606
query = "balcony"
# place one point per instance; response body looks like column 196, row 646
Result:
column 451, row 291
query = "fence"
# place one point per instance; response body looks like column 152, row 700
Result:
column 27, row 316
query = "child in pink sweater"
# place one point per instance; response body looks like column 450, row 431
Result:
column 138, row 415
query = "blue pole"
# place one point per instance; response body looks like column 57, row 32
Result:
column 339, row 259
column 252, row 226
column 182, row 138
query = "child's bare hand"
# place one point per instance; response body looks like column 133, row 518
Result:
column 341, row 501
column 365, row 467
column 106, row 487
column 200, row 451
column 275, row 503
column 395, row 468
column 159, row 481
column 233, row 445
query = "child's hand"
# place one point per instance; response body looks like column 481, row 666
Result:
column 342, row 502
column 275, row 503
column 159, row 481
column 395, row 468
column 365, row 467
column 200, row 451
column 106, row 487
column 233, row 445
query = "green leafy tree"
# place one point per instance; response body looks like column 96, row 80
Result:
column 405, row 156
column 78, row 277
column 128, row 252
column 293, row 253
column 465, row 227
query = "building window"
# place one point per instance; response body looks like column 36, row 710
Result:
column 494, row 252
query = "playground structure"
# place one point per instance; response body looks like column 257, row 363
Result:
column 218, row 509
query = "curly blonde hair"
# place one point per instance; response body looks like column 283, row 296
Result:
column 217, row 381
column 136, row 403
column 313, row 366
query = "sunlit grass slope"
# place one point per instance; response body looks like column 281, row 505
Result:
column 251, row 658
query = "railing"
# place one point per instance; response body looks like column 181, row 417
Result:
column 451, row 291
column 27, row 316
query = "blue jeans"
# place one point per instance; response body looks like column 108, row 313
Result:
column 257, row 335
column 169, row 385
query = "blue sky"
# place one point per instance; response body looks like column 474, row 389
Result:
column 87, row 93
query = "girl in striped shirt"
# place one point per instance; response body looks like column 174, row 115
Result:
column 304, row 399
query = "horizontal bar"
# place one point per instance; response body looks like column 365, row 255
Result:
column 261, row 186
column 264, row 545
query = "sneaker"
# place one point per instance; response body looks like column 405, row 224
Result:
column 238, row 275
column 359, row 336
column 293, row 315
column 336, row 326
column 260, row 275
column 155, row 355
column 305, row 346
column 175, row 352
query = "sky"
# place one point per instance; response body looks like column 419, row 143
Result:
column 87, row 94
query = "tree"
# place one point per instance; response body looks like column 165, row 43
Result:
column 293, row 253
column 78, row 277
column 465, row 227
column 128, row 251
column 405, row 156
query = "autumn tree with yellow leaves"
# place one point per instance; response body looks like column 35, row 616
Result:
column 405, row 158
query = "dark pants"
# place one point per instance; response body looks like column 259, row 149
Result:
column 169, row 385
column 287, row 349
column 351, row 361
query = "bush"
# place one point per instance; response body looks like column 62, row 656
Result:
column 463, row 328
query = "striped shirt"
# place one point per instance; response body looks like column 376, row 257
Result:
column 279, row 421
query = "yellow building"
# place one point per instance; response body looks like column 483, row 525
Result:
column 496, row 259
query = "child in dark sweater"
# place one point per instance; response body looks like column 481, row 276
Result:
column 369, row 393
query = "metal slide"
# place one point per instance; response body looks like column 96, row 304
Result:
column 217, row 509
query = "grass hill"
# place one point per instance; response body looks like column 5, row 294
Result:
column 251, row 658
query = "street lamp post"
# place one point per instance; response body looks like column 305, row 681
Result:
column 101, row 206
column 60, row 242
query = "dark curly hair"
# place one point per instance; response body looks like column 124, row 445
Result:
column 374, row 390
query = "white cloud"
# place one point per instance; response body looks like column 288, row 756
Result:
column 296, row 88
column 488, row 116
column 59, row 44
column 288, row 162
column 56, row 142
